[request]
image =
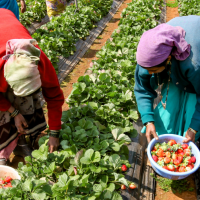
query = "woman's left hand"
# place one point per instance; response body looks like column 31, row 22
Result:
column 190, row 136
column 53, row 144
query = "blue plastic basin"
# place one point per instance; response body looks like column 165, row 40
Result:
column 168, row 174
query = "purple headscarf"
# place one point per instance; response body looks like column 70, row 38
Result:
column 158, row 43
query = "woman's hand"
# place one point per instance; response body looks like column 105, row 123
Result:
column 23, row 6
column 190, row 136
column 20, row 123
column 151, row 130
column 53, row 144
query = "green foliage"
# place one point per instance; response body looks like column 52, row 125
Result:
column 174, row 185
column 189, row 7
column 35, row 12
column 172, row 4
column 59, row 36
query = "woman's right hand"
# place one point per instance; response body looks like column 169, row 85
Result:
column 20, row 123
column 151, row 130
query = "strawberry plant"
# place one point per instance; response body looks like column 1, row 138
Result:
column 189, row 7
column 35, row 12
column 58, row 37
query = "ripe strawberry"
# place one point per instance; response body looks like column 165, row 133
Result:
column 8, row 185
column 184, row 146
column 177, row 169
column 182, row 169
column 170, row 167
column 179, row 151
column 160, row 153
column 8, row 179
column 193, row 159
column 123, row 187
column 182, row 154
column 132, row 186
column 171, row 142
column 168, row 154
column 189, row 166
column 174, row 156
column 165, row 167
column 124, row 168
column 155, row 158
column 160, row 158
column 180, row 158
column 177, row 162
column 2, row 182
column 187, row 152
column 167, row 160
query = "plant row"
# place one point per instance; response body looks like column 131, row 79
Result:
column 93, row 156
column 59, row 36
column 189, row 7
column 35, row 12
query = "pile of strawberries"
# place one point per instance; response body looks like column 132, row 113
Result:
column 173, row 156
column 6, row 182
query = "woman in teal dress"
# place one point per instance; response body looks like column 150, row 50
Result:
column 168, row 56
column 13, row 6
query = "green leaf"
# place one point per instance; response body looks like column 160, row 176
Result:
column 96, row 157
column 97, row 188
column 99, row 126
column 116, row 132
column 65, row 144
column 116, row 196
column 88, row 125
column 133, row 114
column 111, row 187
column 107, row 194
column 93, row 105
column 42, row 153
column 62, row 181
column 85, row 160
column 38, row 194
column 125, row 138
column 27, row 185
column 89, row 153
column 115, row 146
column 115, row 160
column 104, row 144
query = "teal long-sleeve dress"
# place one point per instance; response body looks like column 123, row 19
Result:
column 183, row 102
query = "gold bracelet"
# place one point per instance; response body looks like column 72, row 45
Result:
column 149, row 123
column 190, row 129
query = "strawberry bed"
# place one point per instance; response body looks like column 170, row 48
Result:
column 93, row 156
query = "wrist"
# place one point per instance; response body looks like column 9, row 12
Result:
column 14, row 113
column 148, row 123
column 54, row 133
column 192, row 130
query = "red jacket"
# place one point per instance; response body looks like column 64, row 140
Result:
column 11, row 28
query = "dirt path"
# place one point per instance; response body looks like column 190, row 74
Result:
column 160, row 194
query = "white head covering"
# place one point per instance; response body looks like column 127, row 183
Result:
column 21, row 69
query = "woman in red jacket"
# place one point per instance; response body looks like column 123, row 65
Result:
column 24, row 70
